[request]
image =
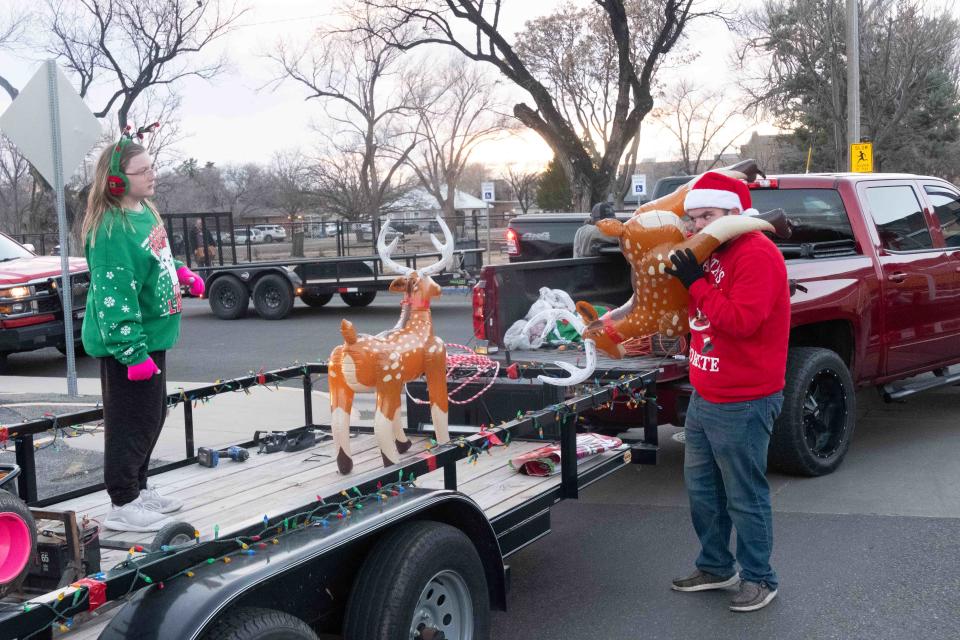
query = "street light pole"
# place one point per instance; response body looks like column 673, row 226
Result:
column 853, row 77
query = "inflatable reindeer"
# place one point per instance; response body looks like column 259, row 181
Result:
column 385, row 362
column 659, row 301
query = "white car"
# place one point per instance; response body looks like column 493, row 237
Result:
column 272, row 232
column 241, row 234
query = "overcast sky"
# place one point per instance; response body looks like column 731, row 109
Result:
column 235, row 119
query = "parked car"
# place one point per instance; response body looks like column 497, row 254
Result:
column 31, row 314
column 272, row 232
column 242, row 235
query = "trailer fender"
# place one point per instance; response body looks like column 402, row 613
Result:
column 249, row 274
column 308, row 574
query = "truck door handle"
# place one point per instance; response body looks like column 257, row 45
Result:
column 897, row 276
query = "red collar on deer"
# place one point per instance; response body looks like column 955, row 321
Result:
column 611, row 330
column 423, row 304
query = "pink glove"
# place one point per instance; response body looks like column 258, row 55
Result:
column 189, row 278
column 143, row 371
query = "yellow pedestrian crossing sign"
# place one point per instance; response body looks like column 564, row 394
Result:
column 861, row 157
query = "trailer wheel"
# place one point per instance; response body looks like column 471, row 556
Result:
column 229, row 298
column 316, row 299
column 358, row 298
column 813, row 433
column 273, row 297
column 253, row 623
column 18, row 541
column 422, row 580
column 173, row 534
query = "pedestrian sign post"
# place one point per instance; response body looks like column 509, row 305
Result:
column 861, row 157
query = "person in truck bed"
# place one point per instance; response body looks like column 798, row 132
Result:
column 589, row 240
column 132, row 319
column 740, row 323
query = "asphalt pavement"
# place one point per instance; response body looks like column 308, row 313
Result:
column 870, row 551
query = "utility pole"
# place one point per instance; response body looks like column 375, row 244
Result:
column 853, row 76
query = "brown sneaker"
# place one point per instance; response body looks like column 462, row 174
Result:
column 703, row 581
column 752, row 596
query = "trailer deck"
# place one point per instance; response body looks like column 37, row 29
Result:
column 668, row 367
column 234, row 495
column 243, row 499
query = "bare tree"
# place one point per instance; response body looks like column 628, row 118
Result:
column 371, row 97
column 704, row 124
column 13, row 28
column 461, row 112
column 524, row 185
column 289, row 178
column 907, row 52
column 133, row 45
column 248, row 189
column 473, row 27
column 17, row 188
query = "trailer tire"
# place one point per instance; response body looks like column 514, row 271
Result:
column 813, row 433
column 254, row 623
column 273, row 297
column 229, row 298
column 16, row 527
column 175, row 533
column 316, row 299
column 423, row 573
column 358, row 298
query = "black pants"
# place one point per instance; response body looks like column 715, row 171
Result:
column 133, row 414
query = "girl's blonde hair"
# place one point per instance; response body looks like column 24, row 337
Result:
column 100, row 200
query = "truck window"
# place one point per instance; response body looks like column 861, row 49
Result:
column 820, row 214
column 946, row 206
column 899, row 218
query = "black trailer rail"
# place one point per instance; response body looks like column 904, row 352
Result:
column 513, row 527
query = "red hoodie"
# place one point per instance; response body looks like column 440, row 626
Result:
column 740, row 321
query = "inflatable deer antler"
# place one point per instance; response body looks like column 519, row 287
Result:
column 659, row 301
column 385, row 362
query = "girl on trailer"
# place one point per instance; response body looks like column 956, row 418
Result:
column 132, row 319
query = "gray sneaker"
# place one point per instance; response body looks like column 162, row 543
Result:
column 703, row 581
column 752, row 596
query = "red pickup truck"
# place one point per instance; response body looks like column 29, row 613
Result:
column 874, row 264
column 31, row 313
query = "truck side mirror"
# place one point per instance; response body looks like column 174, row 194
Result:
column 29, row 247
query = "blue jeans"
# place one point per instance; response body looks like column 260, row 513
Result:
column 724, row 467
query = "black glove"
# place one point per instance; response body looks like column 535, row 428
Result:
column 687, row 270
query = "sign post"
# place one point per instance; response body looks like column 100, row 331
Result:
column 54, row 145
column 861, row 157
column 488, row 195
column 639, row 184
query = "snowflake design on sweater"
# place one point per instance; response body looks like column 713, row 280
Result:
column 109, row 275
column 125, row 308
column 109, row 301
column 125, row 330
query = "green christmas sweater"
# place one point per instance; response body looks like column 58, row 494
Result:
column 133, row 306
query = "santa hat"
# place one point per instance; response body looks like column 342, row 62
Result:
column 714, row 189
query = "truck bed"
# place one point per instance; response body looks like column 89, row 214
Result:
column 668, row 367
column 233, row 494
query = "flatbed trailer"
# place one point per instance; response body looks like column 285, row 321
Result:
column 284, row 536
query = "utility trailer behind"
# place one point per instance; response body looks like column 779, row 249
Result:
column 287, row 543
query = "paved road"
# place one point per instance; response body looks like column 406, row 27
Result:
column 872, row 551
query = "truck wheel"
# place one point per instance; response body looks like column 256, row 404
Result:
column 254, row 623
column 422, row 580
column 316, row 299
column 358, row 298
column 272, row 297
column 173, row 534
column 229, row 298
column 18, row 541
column 813, row 432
